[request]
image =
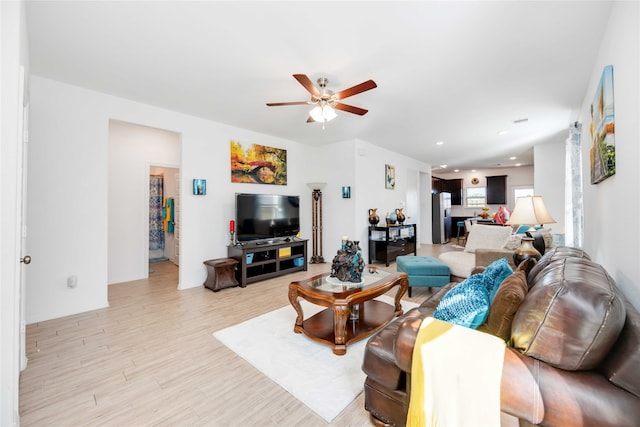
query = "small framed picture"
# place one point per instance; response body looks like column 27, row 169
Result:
column 389, row 177
column 199, row 187
column 346, row 192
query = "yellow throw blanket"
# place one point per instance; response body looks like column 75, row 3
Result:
column 455, row 377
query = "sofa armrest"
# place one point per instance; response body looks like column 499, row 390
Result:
column 484, row 257
column 405, row 341
column 408, row 331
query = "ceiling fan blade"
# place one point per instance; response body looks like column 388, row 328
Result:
column 362, row 87
column 308, row 84
column 278, row 104
column 310, row 120
column 350, row 108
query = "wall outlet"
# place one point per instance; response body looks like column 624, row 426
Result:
column 72, row 281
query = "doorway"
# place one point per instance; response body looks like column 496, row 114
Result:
column 133, row 151
column 164, row 214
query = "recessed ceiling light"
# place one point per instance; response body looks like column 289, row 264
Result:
column 512, row 158
column 473, row 170
column 503, row 132
column 439, row 143
column 456, row 170
column 518, row 164
column 443, row 166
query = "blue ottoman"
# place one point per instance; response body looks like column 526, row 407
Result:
column 424, row 271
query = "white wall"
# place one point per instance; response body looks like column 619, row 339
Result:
column 516, row 177
column 370, row 161
column 360, row 165
column 132, row 150
column 611, row 207
column 70, row 134
column 549, row 180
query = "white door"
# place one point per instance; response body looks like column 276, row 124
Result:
column 21, row 205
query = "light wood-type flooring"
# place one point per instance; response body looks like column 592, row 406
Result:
column 150, row 359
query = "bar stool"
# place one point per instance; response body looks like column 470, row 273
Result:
column 461, row 228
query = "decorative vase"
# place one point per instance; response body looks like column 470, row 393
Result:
column 373, row 216
column 400, row 215
column 525, row 251
column 392, row 218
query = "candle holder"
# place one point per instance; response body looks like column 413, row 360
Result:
column 232, row 238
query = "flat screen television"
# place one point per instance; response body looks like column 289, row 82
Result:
column 266, row 216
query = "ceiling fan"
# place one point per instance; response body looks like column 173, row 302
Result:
column 326, row 100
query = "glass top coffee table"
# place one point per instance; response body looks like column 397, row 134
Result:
column 352, row 313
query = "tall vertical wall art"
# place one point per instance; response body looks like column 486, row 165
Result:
column 258, row 164
column 389, row 177
column 603, row 150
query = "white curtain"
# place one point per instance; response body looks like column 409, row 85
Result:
column 573, row 215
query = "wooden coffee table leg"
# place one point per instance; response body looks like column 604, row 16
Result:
column 340, row 316
column 403, row 285
column 293, row 299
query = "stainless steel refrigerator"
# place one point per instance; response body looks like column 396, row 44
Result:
column 441, row 217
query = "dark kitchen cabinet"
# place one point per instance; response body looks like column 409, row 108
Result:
column 497, row 190
column 453, row 186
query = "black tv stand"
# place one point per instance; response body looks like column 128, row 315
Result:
column 263, row 260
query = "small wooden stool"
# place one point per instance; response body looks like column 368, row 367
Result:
column 220, row 274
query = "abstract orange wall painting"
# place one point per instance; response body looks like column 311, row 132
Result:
column 258, row 164
column 603, row 150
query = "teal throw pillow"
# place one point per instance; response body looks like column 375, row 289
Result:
column 467, row 304
column 495, row 274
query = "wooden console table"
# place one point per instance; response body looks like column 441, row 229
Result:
column 388, row 243
column 264, row 261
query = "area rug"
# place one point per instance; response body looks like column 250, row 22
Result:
column 308, row 370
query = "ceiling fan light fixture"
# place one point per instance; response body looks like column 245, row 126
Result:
column 323, row 113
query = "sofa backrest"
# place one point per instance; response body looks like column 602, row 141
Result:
column 572, row 315
column 487, row 237
column 553, row 254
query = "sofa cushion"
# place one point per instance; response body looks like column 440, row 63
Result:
column 487, row 237
column 494, row 274
column 514, row 241
column 508, row 299
column 460, row 263
column 467, row 304
column 572, row 316
column 546, row 236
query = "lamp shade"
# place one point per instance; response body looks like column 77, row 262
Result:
column 316, row 185
column 530, row 210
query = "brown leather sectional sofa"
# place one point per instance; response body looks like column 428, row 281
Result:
column 572, row 359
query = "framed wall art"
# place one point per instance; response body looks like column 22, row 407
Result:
column 199, row 187
column 346, row 192
column 258, row 164
column 603, row 150
column 389, row 177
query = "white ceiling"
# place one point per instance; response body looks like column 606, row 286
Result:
column 457, row 72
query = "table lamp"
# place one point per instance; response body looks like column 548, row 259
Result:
column 529, row 210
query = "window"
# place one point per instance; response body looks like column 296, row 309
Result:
column 521, row 192
column 476, row 197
